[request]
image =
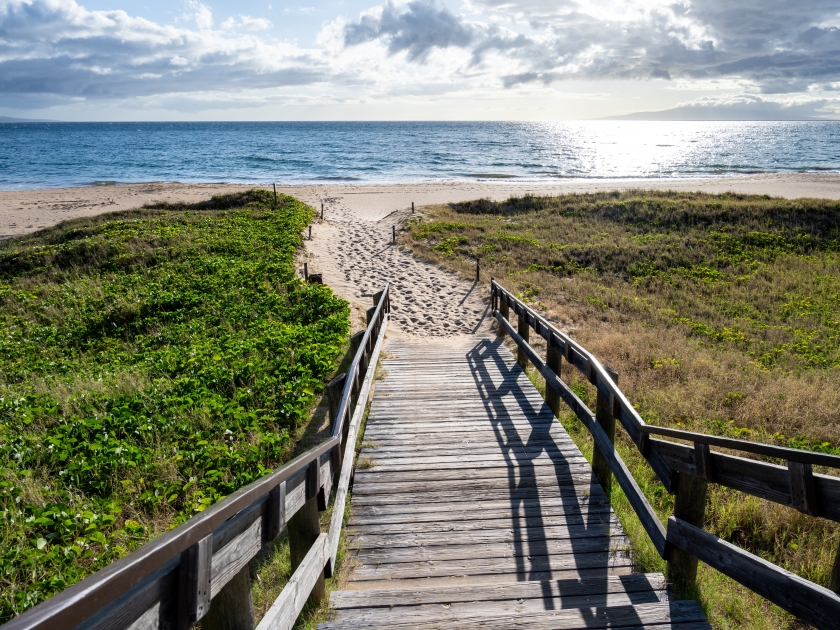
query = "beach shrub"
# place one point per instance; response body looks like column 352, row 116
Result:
column 151, row 363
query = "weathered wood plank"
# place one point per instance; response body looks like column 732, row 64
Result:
column 483, row 536
column 426, row 613
column 639, row 583
column 519, row 494
column 520, row 513
column 661, row 614
column 544, row 504
column 583, row 481
column 499, row 475
column 465, row 581
column 430, row 553
column 485, row 522
column 532, row 567
column 445, row 424
column 378, row 468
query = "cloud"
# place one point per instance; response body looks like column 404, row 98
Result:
column 777, row 46
column 423, row 26
column 742, row 107
column 200, row 13
column 247, row 23
column 56, row 49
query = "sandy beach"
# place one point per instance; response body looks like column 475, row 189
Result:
column 352, row 247
column 25, row 211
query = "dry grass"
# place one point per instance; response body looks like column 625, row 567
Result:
column 721, row 314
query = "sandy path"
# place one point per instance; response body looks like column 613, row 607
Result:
column 357, row 257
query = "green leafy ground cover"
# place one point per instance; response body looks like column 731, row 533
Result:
column 721, row 314
column 151, row 363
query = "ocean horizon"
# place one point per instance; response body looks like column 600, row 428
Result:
column 64, row 154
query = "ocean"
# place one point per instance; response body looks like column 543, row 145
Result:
column 46, row 155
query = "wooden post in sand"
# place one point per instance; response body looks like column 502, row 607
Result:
column 275, row 196
column 306, row 271
column 412, row 207
column 393, row 233
column 477, row 270
column 310, row 232
column 322, row 212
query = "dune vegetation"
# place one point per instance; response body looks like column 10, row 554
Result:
column 721, row 314
column 151, row 363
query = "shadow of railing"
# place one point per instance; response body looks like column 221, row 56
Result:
column 531, row 450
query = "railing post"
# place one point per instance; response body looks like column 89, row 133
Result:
column 334, row 391
column 355, row 342
column 304, row 528
column 604, row 415
column 834, row 580
column 504, row 309
column 233, row 607
column 194, row 574
column 554, row 361
column 523, row 329
column 690, row 506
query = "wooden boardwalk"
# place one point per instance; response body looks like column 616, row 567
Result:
column 472, row 507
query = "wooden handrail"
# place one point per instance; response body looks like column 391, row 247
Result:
column 796, row 485
column 769, row 450
column 227, row 536
column 596, row 374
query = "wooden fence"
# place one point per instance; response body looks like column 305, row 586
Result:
column 199, row 570
column 685, row 470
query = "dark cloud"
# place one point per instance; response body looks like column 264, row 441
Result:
column 420, row 27
column 780, row 46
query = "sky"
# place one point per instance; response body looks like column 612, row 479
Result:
column 138, row 60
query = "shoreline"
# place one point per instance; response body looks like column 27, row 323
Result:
column 27, row 211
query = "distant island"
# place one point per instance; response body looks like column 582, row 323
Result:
column 740, row 109
column 9, row 119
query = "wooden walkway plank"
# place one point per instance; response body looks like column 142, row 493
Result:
column 500, row 592
column 473, row 508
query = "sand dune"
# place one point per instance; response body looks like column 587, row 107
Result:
column 352, row 246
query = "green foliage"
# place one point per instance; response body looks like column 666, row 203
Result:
column 746, row 272
column 152, row 363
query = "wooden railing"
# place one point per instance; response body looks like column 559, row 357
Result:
column 201, row 566
column 685, row 471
